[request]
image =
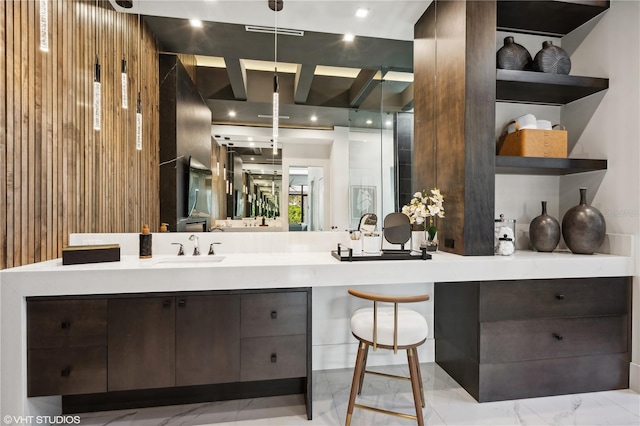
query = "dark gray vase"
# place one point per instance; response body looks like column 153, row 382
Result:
column 513, row 56
column 583, row 227
column 544, row 231
column 552, row 59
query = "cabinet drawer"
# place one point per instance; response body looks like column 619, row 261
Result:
column 508, row 341
column 513, row 380
column 66, row 323
column 500, row 300
column 273, row 314
column 67, row 371
column 265, row 358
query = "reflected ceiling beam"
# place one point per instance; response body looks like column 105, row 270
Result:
column 362, row 86
column 304, row 78
column 237, row 77
column 406, row 98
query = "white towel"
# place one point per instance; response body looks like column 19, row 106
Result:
column 543, row 124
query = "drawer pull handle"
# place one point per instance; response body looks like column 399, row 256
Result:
column 65, row 325
column 560, row 296
column 66, row 372
column 557, row 336
column 274, row 358
column 166, row 303
column 182, row 303
column 274, row 314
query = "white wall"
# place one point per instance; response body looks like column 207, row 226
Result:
column 365, row 167
column 608, row 126
column 339, row 160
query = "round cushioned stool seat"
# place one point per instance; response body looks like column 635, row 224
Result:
column 412, row 327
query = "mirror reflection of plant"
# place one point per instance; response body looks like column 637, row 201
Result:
column 295, row 209
column 423, row 205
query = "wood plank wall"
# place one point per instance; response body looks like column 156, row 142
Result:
column 58, row 175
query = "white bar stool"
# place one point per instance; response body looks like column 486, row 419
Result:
column 388, row 328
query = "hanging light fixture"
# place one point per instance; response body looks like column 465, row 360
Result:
column 97, row 87
column 139, row 100
column 124, row 78
column 44, row 25
column 276, row 6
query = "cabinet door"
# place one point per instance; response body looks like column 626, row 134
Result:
column 141, row 346
column 207, row 339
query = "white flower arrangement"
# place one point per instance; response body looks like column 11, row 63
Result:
column 425, row 205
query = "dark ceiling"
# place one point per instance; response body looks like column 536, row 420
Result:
column 332, row 99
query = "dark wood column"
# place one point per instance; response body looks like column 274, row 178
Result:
column 454, row 72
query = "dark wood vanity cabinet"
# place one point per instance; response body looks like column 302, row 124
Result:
column 141, row 343
column 518, row 339
column 151, row 349
column 207, row 339
column 159, row 342
column 66, row 347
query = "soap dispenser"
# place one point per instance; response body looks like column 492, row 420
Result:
column 145, row 242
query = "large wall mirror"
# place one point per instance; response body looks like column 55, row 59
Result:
column 343, row 105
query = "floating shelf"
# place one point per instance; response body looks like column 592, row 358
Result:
column 546, row 166
column 553, row 18
column 545, row 88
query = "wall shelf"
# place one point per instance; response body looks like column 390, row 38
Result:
column 546, row 166
column 545, row 88
column 553, row 18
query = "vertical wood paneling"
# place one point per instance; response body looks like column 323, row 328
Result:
column 3, row 138
column 58, row 175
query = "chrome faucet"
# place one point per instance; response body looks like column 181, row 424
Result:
column 181, row 250
column 196, row 249
column 211, row 250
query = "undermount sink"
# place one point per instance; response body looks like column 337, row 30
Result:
column 190, row 260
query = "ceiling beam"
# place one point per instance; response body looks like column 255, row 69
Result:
column 237, row 77
column 361, row 87
column 304, row 77
column 406, row 98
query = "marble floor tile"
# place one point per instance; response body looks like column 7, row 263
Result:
column 582, row 409
column 446, row 404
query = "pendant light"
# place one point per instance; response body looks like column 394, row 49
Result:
column 276, row 6
column 124, row 78
column 139, row 101
column 44, row 25
column 97, row 87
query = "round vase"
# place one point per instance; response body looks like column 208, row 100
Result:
column 544, row 231
column 552, row 59
column 512, row 56
column 583, row 227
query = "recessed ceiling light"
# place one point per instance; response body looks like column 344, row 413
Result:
column 362, row 12
column 348, row 37
column 253, row 159
column 314, row 118
column 252, row 144
column 369, row 122
column 388, row 123
column 249, row 138
column 232, row 113
column 196, row 23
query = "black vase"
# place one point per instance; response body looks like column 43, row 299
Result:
column 544, row 231
column 552, row 59
column 583, row 227
column 512, row 56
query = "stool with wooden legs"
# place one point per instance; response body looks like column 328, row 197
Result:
column 388, row 327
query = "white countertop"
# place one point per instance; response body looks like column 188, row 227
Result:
column 264, row 260
column 305, row 269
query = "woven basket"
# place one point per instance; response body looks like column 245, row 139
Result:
column 534, row 143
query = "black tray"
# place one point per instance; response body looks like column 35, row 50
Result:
column 346, row 255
